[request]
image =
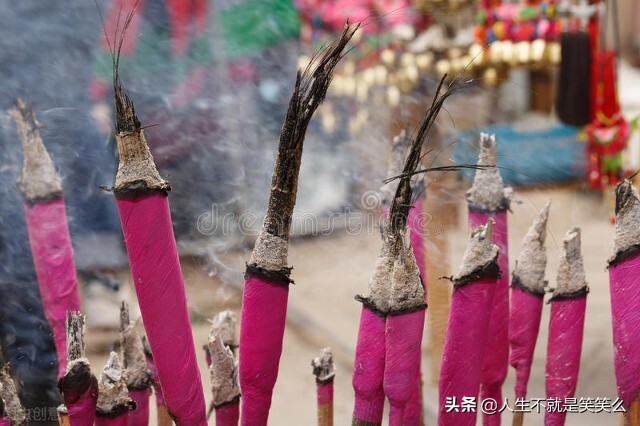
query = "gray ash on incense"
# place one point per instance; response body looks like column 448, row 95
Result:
column 571, row 280
column 39, row 180
column 488, row 193
column 113, row 395
column 78, row 377
column 528, row 274
column 626, row 243
column 136, row 373
column 223, row 373
column 323, row 368
column 269, row 256
column 11, row 407
column 480, row 260
column 407, row 292
column 223, row 326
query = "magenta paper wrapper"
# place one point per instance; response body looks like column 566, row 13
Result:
column 624, row 281
column 55, row 268
column 524, row 324
column 157, row 276
column 566, row 328
column 402, row 363
column 81, row 409
column 120, row 420
column 228, row 414
column 325, row 393
column 369, row 368
column 496, row 361
column 264, row 313
column 464, row 347
column 5, row 422
column 140, row 415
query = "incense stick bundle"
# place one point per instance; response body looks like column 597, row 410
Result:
column 488, row 198
column 474, row 286
column 224, row 382
column 325, row 371
column 624, row 283
column 566, row 326
column 267, row 277
column 136, row 373
column 78, row 386
column 527, row 298
column 48, row 230
column 11, row 411
column 163, row 415
column 113, row 397
column 142, row 201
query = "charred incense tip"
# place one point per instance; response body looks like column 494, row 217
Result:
column 223, row 372
column 13, row 409
column 39, row 180
column 113, row 395
column 488, row 192
column 571, row 280
column 480, row 258
column 223, row 326
column 530, row 267
column 136, row 373
column 626, row 242
column 323, row 367
column 75, row 337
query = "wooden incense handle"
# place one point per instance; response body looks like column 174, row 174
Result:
column 518, row 418
column 358, row 422
column 163, row 416
column 632, row 416
column 325, row 414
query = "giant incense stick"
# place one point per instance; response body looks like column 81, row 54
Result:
column 264, row 300
column 489, row 199
column 163, row 415
column 325, row 371
column 224, row 382
column 141, row 197
column 624, row 282
column 48, row 230
column 11, row 411
column 113, row 397
column 468, row 326
column 78, row 386
column 527, row 294
column 566, row 327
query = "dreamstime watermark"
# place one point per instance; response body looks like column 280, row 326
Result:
column 367, row 218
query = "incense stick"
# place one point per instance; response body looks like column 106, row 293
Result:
column 11, row 411
column 468, row 326
column 48, row 230
column 324, row 371
column 113, row 397
column 267, row 277
column 224, row 382
column 566, row 326
column 78, row 386
column 488, row 198
column 163, row 415
column 527, row 294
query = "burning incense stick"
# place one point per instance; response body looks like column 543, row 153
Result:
column 624, row 284
column 136, row 374
column 141, row 197
column 325, row 371
column 11, row 411
column 224, row 382
column 163, row 415
column 113, row 397
column 223, row 325
column 78, row 386
column 468, row 326
column 488, row 198
column 566, row 326
column 48, row 230
column 264, row 300
column 527, row 294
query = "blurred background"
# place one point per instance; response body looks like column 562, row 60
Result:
column 212, row 79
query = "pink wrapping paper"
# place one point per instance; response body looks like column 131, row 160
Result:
column 264, row 313
column 140, row 415
column 55, row 268
column 566, row 328
column 228, row 414
column 325, row 393
column 151, row 246
column 496, row 361
column 81, row 409
column 120, row 420
column 524, row 324
column 624, row 281
column 369, row 368
column 464, row 347
column 403, row 339
column 5, row 422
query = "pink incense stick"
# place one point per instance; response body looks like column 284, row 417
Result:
column 624, row 282
column 527, row 294
column 48, row 230
column 141, row 197
column 264, row 300
column 4, row 421
column 566, row 327
column 324, row 371
column 224, row 382
column 114, row 403
column 488, row 198
column 79, row 386
column 468, row 327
